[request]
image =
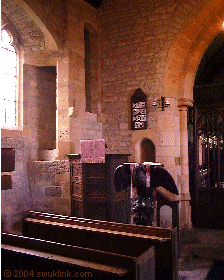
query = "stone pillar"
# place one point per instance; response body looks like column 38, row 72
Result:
column 185, row 208
column 63, row 129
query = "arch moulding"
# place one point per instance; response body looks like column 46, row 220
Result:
column 52, row 42
column 182, row 63
column 188, row 49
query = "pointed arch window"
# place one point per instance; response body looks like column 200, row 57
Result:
column 9, row 79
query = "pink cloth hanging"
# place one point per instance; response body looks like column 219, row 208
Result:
column 148, row 176
column 93, row 151
column 148, row 170
column 132, row 166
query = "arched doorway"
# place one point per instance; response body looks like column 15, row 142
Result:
column 182, row 64
column 147, row 150
column 206, row 131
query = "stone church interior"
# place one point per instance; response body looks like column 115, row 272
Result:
column 112, row 138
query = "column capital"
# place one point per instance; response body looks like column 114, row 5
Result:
column 184, row 102
column 185, row 197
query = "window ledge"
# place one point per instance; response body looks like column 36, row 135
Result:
column 12, row 131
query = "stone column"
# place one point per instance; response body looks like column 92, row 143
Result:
column 185, row 208
column 63, row 129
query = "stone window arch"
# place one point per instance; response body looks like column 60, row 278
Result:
column 9, row 75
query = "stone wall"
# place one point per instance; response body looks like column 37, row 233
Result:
column 46, row 119
column 39, row 100
column 132, row 40
column 16, row 199
column 50, row 186
column 136, row 38
column 26, row 26
column 84, row 127
column 51, row 35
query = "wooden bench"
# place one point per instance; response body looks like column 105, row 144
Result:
column 35, row 259
column 79, row 230
column 145, row 230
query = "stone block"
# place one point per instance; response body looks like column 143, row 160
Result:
column 165, row 151
column 123, row 126
column 170, row 138
column 53, row 191
column 62, row 166
column 62, row 177
column 162, row 139
column 47, row 205
column 165, row 122
column 77, row 169
column 38, row 192
column 64, row 148
column 77, row 179
column 78, row 189
column 66, row 192
column 63, row 206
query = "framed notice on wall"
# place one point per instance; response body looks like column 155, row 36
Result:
column 138, row 110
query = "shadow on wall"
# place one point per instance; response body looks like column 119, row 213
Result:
column 12, row 223
column 148, row 151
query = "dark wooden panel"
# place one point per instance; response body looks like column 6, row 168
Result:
column 93, row 192
column 97, row 170
column 7, row 159
column 210, row 213
column 6, row 182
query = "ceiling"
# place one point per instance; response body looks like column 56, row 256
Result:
column 29, row 33
column 209, row 81
column 95, row 3
column 211, row 68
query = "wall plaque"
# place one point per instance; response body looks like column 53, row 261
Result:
column 138, row 110
column 7, row 159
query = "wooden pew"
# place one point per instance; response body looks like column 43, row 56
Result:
column 29, row 257
column 144, row 230
column 165, row 248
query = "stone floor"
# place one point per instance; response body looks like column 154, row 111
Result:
column 195, row 269
column 200, row 250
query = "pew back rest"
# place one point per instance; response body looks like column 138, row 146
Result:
column 144, row 230
column 171, row 234
column 104, row 262
column 130, row 244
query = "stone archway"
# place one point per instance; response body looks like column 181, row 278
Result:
column 182, row 63
column 189, row 47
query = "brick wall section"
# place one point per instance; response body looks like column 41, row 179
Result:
column 136, row 36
